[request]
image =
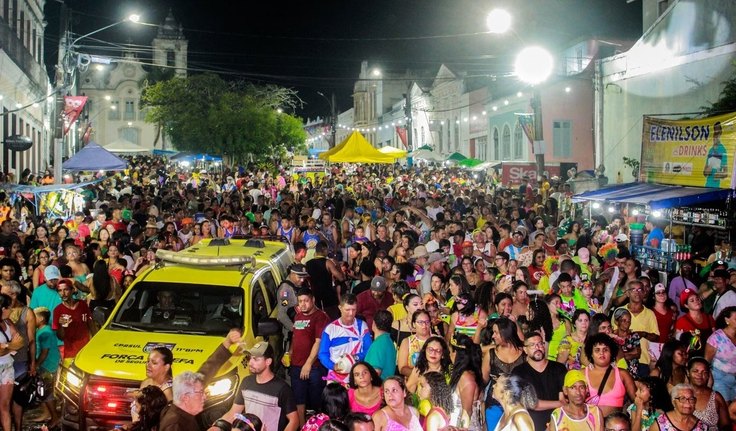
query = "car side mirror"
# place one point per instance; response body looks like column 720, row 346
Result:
column 100, row 315
column 268, row 327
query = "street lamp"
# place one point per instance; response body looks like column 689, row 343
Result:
column 130, row 18
column 534, row 65
column 63, row 83
column 333, row 117
column 498, row 21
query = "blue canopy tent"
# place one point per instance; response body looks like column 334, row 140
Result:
column 94, row 158
column 656, row 196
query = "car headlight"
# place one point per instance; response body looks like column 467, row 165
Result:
column 73, row 380
column 220, row 387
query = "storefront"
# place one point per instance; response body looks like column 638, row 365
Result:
column 679, row 209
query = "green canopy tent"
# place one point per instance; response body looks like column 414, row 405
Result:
column 455, row 157
column 469, row 163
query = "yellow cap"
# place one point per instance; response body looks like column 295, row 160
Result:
column 574, row 376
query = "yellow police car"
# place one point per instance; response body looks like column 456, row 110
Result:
column 187, row 302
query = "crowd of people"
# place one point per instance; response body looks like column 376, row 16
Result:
column 419, row 299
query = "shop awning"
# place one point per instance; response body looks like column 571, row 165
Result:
column 656, row 196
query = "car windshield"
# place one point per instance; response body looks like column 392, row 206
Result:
column 180, row 308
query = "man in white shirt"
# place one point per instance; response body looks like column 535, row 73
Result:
column 725, row 295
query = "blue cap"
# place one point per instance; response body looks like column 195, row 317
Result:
column 51, row 273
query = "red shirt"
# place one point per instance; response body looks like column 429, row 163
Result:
column 664, row 322
column 307, row 328
column 536, row 274
column 76, row 335
column 686, row 323
column 367, row 305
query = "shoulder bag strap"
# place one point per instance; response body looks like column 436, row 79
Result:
column 603, row 382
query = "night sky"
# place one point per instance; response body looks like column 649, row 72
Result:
column 318, row 45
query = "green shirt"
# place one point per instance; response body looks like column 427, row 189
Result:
column 382, row 355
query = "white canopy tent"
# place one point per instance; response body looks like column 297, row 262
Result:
column 125, row 146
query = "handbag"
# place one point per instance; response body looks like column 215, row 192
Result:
column 29, row 391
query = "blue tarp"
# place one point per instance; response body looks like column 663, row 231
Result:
column 164, row 152
column 188, row 157
column 317, row 151
column 656, row 196
column 94, row 158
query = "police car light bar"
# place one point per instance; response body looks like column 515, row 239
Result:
column 174, row 257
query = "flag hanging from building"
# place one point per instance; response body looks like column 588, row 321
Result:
column 73, row 106
column 87, row 133
column 401, row 131
column 526, row 121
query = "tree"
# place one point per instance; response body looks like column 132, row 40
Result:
column 203, row 113
column 726, row 102
column 153, row 76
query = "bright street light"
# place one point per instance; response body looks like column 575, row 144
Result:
column 533, row 65
column 498, row 21
column 131, row 18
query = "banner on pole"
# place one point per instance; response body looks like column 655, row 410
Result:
column 697, row 152
column 402, row 135
column 526, row 121
column 73, row 106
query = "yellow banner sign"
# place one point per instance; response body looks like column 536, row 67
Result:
column 689, row 152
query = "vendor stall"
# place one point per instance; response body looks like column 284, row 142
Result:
column 670, row 206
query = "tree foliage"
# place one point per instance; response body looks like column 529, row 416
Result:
column 203, row 113
column 726, row 101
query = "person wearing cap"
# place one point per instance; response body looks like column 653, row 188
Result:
column 665, row 315
column 185, row 232
column 547, row 378
column 263, row 393
column 517, row 244
column 575, row 414
column 46, row 294
column 374, row 299
column 286, row 295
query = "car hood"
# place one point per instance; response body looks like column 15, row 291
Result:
column 123, row 354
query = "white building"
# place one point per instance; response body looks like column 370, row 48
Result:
column 24, row 85
column 676, row 67
column 114, row 91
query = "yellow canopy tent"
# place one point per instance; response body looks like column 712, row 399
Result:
column 393, row 151
column 355, row 149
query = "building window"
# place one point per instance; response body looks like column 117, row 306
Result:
column 114, row 113
column 662, row 7
column 129, row 110
column 441, row 137
column 170, row 58
column 496, row 147
column 481, row 144
column 457, row 134
column 562, row 139
column 506, row 142
column 22, row 25
column 130, row 134
column 518, row 142
column 424, row 140
column 449, row 138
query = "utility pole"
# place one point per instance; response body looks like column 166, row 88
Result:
column 538, row 145
column 333, row 120
column 61, row 86
column 407, row 113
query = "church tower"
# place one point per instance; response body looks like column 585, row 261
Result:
column 170, row 46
